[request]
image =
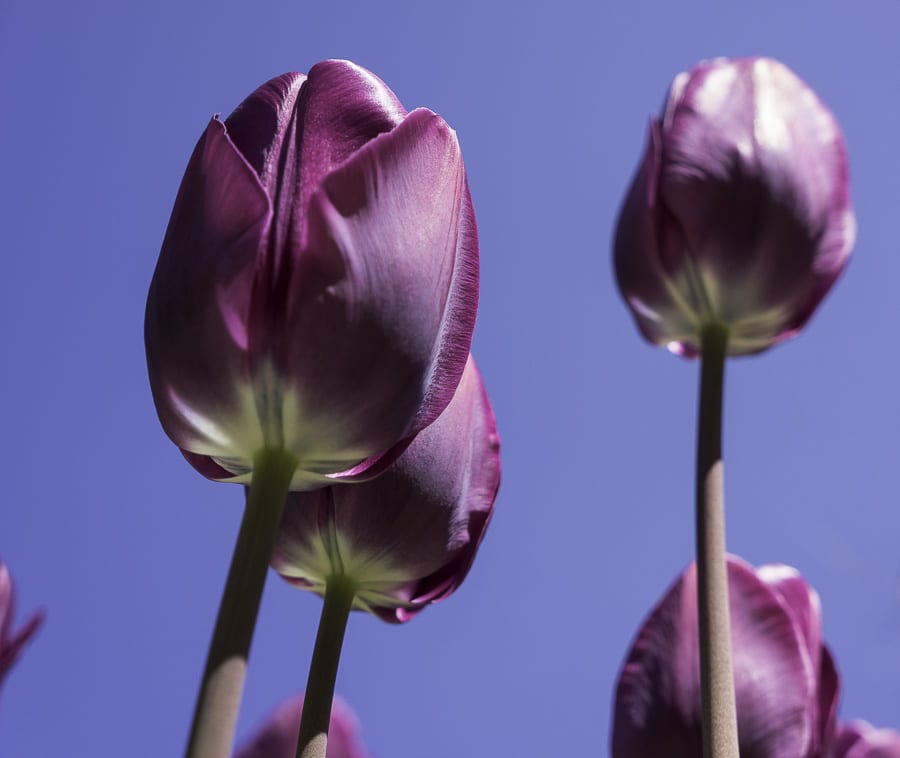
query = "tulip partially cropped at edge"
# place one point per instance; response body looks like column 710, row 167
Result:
column 277, row 738
column 317, row 285
column 786, row 685
column 861, row 740
column 739, row 214
column 408, row 537
column 12, row 644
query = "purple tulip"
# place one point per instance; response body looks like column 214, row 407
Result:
column 407, row 538
column 11, row 645
column 317, row 285
column 786, row 685
column 277, row 738
column 861, row 740
column 740, row 211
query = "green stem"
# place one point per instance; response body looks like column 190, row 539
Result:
column 720, row 738
column 313, row 739
column 215, row 715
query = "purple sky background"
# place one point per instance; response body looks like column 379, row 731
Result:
column 108, row 528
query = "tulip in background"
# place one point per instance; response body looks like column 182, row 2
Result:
column 786, row 685
column 393, row 544
column 12, row 644
column 735, row 227
column 739, row 214
column 311, row 311
column 277, row 738
column 785, row 679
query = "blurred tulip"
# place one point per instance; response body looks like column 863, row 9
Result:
column 786, row 685
column 317, row 285
column 740, row 211
column 862, row 740
column 11, row 645
column 277, row 738
column 407, row 538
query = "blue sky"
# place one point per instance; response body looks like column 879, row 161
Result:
column 105, row 525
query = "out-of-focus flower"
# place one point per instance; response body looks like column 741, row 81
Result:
column 277, row 737
column 740, row 211
column 317, row 285
column 407, row 538
column 11, row 645
column 786, row 685
column 861, row 740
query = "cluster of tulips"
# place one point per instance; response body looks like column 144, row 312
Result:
column 308, row 333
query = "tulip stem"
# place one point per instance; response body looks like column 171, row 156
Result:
column 720, row 738
column 339, row 594
column 215, row 715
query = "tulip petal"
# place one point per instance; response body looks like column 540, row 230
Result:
column 345, row 107
column 196, row 328
column 647, row 253
column 800, row 600
column 829, row 688
column 860, row 739
column 658, row 711
column 11, row 645
column 382, row 301
column 409, row 537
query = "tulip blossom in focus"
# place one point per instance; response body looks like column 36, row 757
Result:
column 861, row 740
column 317, row 285
column 786, row 686
column 407, row 538
column 277, row 738
column 11, row 645
column 739, row 213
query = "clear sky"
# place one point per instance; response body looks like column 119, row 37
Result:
column 107, row 527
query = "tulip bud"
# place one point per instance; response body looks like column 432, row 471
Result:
column 739, row 214
column 786, row 685
column 408, row 537
column 317, row 285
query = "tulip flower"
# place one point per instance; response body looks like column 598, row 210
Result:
column 12, row 644
column 861, row 740
column 739, row 214
column 277, row 738
column 311, row 311
column 785, row 679
column 407, row 538
column 396, row 543
column 317, row 285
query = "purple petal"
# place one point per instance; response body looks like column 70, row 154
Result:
column 11, row 645
column 7, row 601
column 861, row 740
column 257, row 126
column 196, row 327
column 646, row 256
column 382, row 301
column 409, row 537
column 277, row 737
column 829, row 689
column 344, row 108
column 657, row 710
